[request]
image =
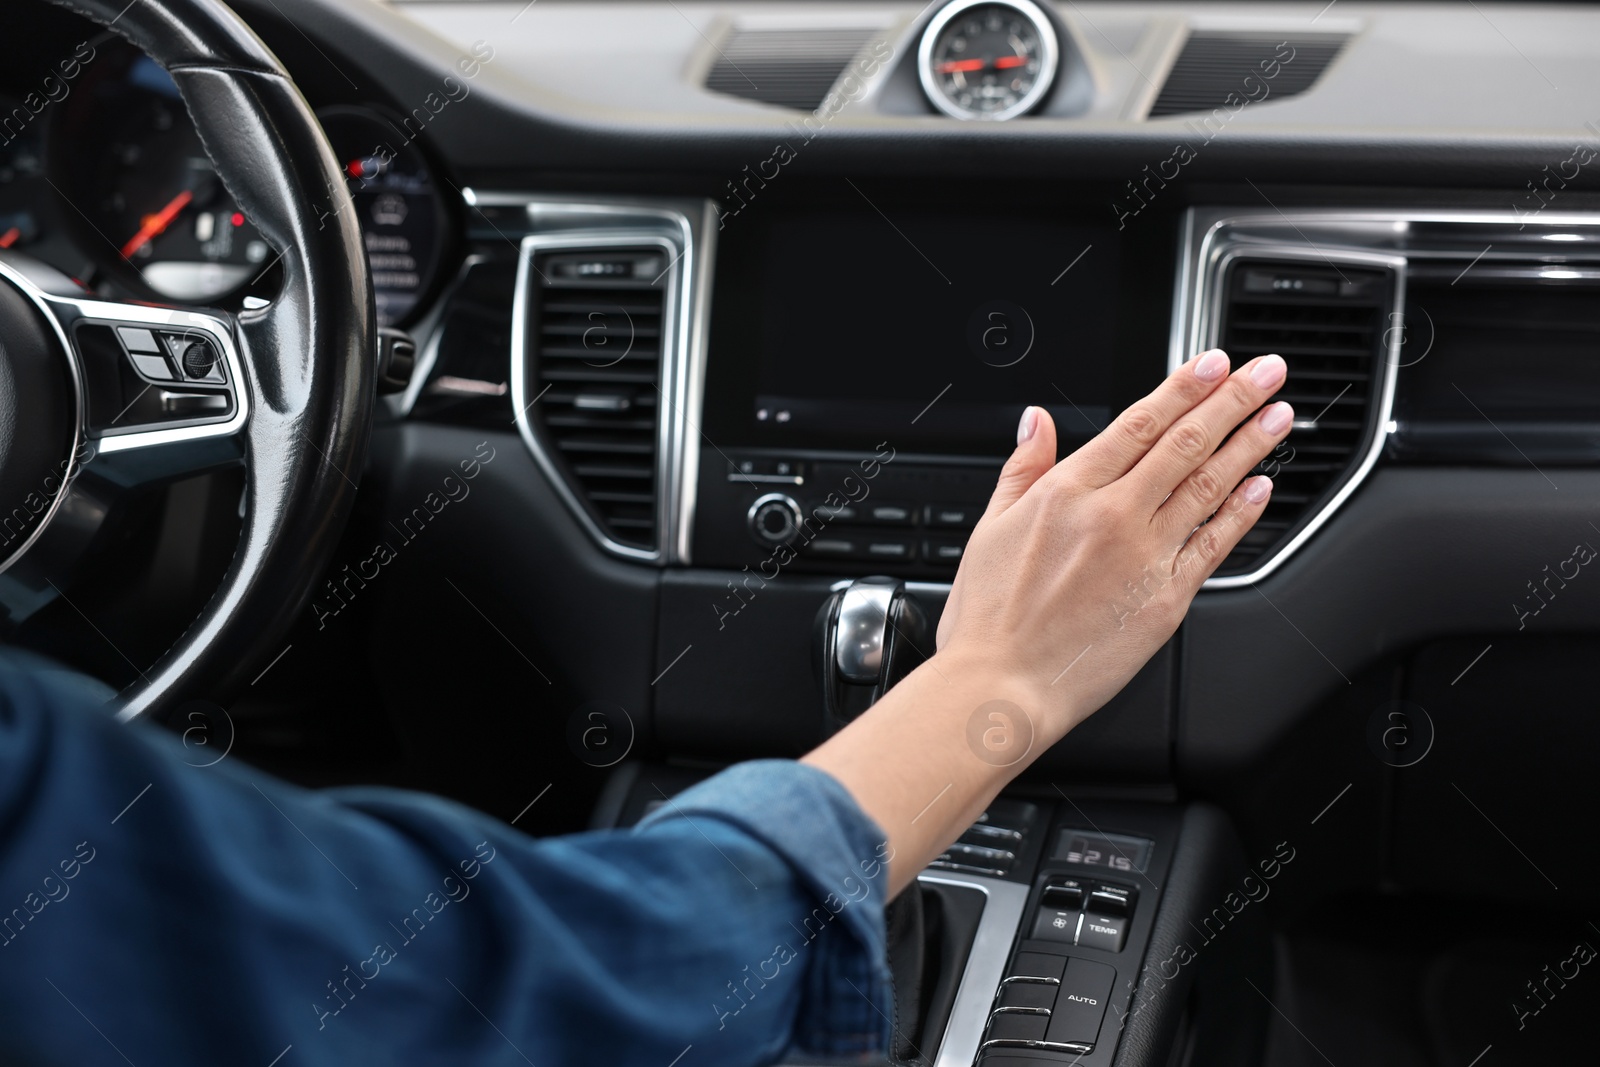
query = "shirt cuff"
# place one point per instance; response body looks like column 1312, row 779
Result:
column 840, row 857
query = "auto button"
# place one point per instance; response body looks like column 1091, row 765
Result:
column 1081, row 1003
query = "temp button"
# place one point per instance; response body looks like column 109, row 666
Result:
column 1102, row 931
column 1081, row 1003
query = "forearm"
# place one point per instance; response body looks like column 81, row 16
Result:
column 926, row 760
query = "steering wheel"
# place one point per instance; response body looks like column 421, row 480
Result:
column 288, row 386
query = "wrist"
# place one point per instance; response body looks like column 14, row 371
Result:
column 1009, row 712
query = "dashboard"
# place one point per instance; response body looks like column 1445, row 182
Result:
column 748, row 300
column 729, row 303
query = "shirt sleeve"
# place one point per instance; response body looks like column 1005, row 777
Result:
column 181, row 913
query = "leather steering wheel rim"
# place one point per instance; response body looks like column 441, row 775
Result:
column 308, row 357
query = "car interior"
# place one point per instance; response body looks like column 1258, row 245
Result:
column 629, row 416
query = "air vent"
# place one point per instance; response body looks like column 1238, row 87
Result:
column 1328, row 323
column 594, row 374
column 1215, row 65
column 792, row 68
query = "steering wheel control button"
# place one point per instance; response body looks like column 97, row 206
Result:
column 195, row 355
column 201, row 361
column 146, row 353
column 138, row 339
column 155, row 367
column 1057, row 924
column 1104, row 932
column 1081, row 1003
column 774, row 519
column 1037, row 967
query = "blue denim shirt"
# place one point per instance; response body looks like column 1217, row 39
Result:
column 155, row 912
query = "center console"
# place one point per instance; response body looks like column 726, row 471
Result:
column 1072, row 929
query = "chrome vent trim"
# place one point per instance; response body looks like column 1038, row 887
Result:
column 593, row 360
column 1211, row 246
column 1417, row 238
column 685, row 231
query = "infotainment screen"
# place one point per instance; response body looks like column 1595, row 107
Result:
column 925, row 326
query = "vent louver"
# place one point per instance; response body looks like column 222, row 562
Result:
column 1213, row 65
column 1329, row 324
column 594, row 366
column 793, row 68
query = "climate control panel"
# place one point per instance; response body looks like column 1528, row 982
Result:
column 879, row 513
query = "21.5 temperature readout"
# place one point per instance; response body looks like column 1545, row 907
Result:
column 1112, row 852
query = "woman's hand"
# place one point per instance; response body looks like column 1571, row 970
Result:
column 1080, row 570
column 1076, row 574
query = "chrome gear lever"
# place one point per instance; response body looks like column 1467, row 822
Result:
column 868, row 636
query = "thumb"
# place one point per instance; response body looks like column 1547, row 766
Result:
column 1035, row 455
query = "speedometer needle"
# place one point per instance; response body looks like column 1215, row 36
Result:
column 972, row 66
column 155, row 225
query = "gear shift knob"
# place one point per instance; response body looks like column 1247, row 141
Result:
column 868, row 636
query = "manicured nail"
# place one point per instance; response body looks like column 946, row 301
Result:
column 1209, row 366
column 1257, row 489
column 1269, row 371
column 1029, row 423
column 1277, row 418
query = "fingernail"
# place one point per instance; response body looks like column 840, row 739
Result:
column 1268, row 372
column 1029, row 423
column 1209, row 366
column 1257, row 489
column 1277, row 418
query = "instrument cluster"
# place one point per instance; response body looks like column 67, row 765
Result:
column 103, row 175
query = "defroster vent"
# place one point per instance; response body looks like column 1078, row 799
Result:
column 792, row 68
column 594, row 354
column 1330, row 325
column 1230, row 69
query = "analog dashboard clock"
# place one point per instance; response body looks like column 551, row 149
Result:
column 988, row 59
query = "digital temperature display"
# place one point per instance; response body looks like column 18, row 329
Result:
column 1113, row 852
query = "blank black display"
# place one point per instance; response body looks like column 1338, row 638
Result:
column 867, row 319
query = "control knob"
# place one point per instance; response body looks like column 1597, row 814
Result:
column 774, row 519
